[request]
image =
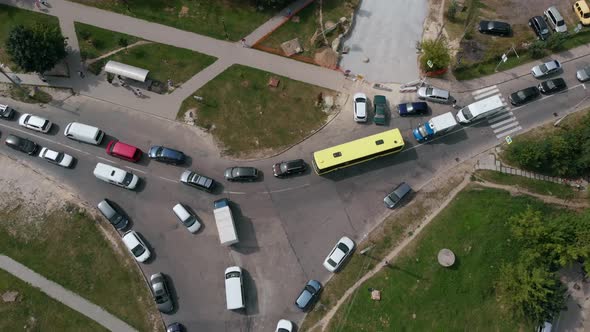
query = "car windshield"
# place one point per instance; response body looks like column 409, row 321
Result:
column 331, row 262
column 360, row 100
column 544, row 31
column 409, row 107
column 138, row 250
column 428, row 91
column 160, row 151
column 521, row 94
column 543, row 68
column 190, row 221
column 59, row 157
column 234, row 274
column 343, row 247
column 491, row 25
column 586, row 15
column 422, row 131
column 551, row 85
column 467, row 113
column 128, row 178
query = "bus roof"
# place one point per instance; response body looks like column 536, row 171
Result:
column 359, row 148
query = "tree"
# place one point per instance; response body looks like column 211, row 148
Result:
column 555, row 41
column 36, row 49
column 123, row 42
column 537, row 49
column 272, row 3
column 452, row 11
column 436, row 51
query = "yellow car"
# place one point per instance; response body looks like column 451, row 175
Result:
column 583, row 12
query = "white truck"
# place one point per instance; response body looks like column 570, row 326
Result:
column 225, row 222
column 438, row 125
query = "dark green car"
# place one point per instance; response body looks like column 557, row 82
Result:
column 380, row 105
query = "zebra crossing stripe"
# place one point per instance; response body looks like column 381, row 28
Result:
column 499, row 117
column 500, row 136
column 502, row 129
column 512, row 119
column 485, row 89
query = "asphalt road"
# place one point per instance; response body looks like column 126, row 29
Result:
column 286, row 226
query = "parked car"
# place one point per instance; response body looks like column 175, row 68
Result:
column 537, row 23
column 582, row 11
column 524, row 96
column 21, row 144
column 552, row 86
column 175, row 327
column 166, row 155
column 397, row 195
column 494, row 28
column 161, row 293
column 112, row 214
column 6, row 112
column 360, row 107
column 380, row 106
column 434, row 94
column 309, row 295
column 284, row 326
column 34, row 122
column 59, row 158
column 186, row 218
column 198, row 181
column 583, row 74
column 241, row 174
column 124, row 151
column 286, row 168
column 136, row 246
column 546, row 69
column 555, row 19
column 339, row 254
column 413, row 108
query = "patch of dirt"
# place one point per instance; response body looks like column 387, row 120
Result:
column 183, row 11
column 326, row 57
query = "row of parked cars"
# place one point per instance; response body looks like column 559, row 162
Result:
column 541, row 25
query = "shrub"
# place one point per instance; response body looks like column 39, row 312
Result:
column 537, row 49
column 436, row 51
column 452, row 11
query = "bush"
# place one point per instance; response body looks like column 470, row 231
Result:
column 437, row 51
column 123, row 42
column 452, row 11
column 85, row 35
column 537, row 49
column 555, row 41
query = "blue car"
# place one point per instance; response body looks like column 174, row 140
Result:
column 309, row 295
column 414, row 108
column 166, row 155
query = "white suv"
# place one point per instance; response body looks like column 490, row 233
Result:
column 360, row 107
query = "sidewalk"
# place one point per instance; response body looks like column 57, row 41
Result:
column 63, row 295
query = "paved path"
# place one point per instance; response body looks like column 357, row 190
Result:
column 275, row 22
column 63, row 295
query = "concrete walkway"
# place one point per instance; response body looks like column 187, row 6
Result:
column 63, row 295
column 274, row 23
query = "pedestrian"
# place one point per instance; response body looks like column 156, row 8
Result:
column 244, row 42
column 386, row 263
column 81, row 74
column 289, row 12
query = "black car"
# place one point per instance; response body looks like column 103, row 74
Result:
column 495, row 28
column 22, row 144
column 286, row 168
column 414, row 108
column 175, row 327
column 309, row 295
column 538, row 24
column 552, row 86
column 6, row 112
column 524, row 96
column 241, row 174
column 166, row 155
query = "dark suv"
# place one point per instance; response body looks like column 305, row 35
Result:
column 286, row 168
column 538, row 24
column 22, row 144
column 166, row 155
column 198, row 181
column 494, row 28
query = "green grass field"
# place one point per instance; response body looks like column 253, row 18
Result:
column 420, row 295
column 11, row 17
column 248, row 116
column 95, row 41
column 534, row 186
column 69, row 249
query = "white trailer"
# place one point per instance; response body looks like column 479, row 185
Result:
column 225, row 222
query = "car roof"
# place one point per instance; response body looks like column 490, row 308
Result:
column 124, row 149
column 35, row 120
column 131, row 239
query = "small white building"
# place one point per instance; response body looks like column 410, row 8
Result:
column 134, row 73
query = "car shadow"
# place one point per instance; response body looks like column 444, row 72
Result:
column 153, row 253
column 141, row 184
column 55, row 128
column 122, row 211
column 173, row 295
column 192, row 211
column 251, row 294
column 188, row 162
column 246, row 233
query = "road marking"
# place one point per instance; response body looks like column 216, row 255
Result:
column 234, row 192
column 499, row 136
column 167, row 179
column 493, row 87
column 510, row 125
column 498, row 124
column 486, row 94
column 500, row 116
column 287, row 189
column 135, row 169
column 105, row 159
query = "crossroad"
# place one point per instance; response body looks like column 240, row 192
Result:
column 503, row 123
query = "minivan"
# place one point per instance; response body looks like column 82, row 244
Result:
column 480, row 109
column 84, row 133
column 397, row 195
column 435, row 95
column 116, row 176
column 234, row 291
column 186, row 218
column 124, row 151
column 555, row 19
column 116, row 218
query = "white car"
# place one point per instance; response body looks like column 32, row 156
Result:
column 58, row 158
column 284, row 326
column 136, row 246
column 34, row 122
column 546, row 69
column 338, row 255
column 360, row 107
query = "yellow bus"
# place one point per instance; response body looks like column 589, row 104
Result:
column 357, row 151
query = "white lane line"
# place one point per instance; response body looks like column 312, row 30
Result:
column 105, row 159
column 499, row 117
column 486, row 94
column 495, row 125
column 501, row 129
column 26, row 132
column 235, row 192
column 287, row 189
column 504, row 134
column 135, row 169
column 485, row 89
column 167, row 179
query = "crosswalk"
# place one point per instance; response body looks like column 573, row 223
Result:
column 503, row 123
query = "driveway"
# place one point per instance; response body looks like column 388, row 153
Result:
column 386, row 33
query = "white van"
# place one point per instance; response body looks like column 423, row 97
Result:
column 481, row 109
column 116, row 176
column 84, row 133
column 234, row 293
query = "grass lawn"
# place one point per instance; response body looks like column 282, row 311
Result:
column 247, row 116
column 23, row 95
column 535, row 186
column 35, row 311
column 95, row 41
column 68, row 247
column 455, row 299
column 333, row 10
column 11, row 17
column 164, row 62
column 205, row 17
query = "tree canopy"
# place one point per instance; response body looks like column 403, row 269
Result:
column 436, row 51
column 36, row 49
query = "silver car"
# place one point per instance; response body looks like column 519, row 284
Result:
column 433, row 94
column 393, row 199
column 583, row 74
column 546, row 69
column 161, row 293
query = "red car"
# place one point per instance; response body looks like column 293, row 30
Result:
column 124, row 151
